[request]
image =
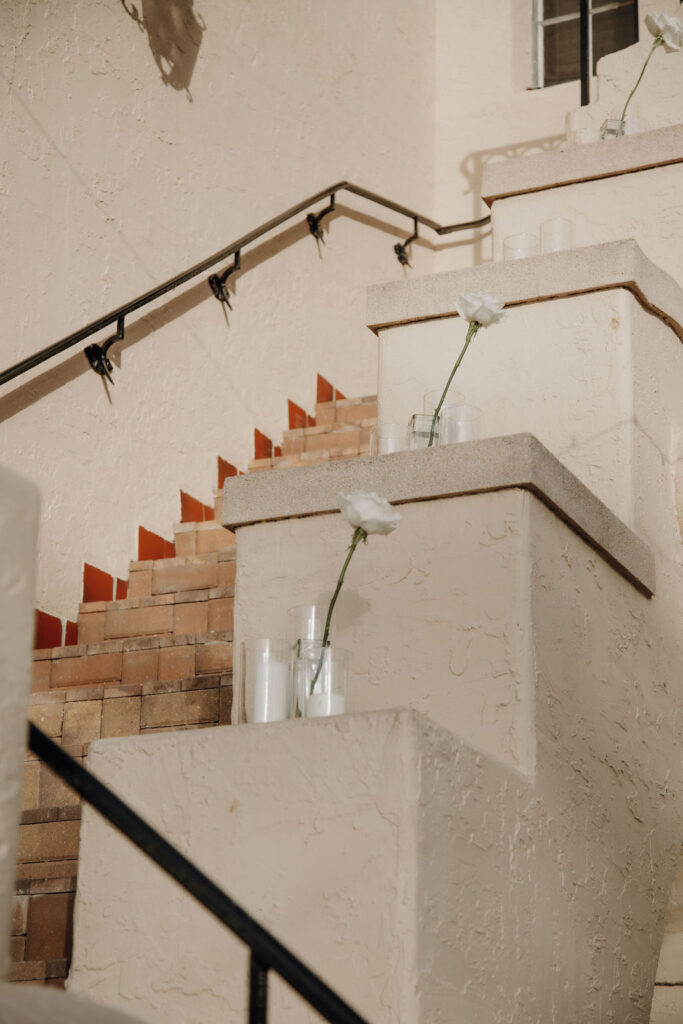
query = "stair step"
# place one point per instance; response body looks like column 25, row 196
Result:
column 136, row 661
column 202, row 538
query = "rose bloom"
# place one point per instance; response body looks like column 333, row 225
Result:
column 669, row 27
column 367, row 510
column 480, row 307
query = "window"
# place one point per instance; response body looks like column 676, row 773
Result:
column 611, row 26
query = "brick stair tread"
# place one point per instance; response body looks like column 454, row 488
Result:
column 155, row 600
column 227, row 555
column 135, row 643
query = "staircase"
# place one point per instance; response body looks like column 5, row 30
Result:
column 157, row 660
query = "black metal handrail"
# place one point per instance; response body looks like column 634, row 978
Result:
column 97, row 354
column 267, row 954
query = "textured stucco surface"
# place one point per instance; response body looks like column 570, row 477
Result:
column 619, row 157
column 113, row 181
column 516, row 460
column 645, row 206
column 486, row 112
column 657, row 103
column 333, row 871
column 18, row 538
column 437, row 615
column 34, row 1004
column 585, row 369
column 601, row 267
column 422, row 877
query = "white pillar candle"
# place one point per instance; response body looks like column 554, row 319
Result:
column 320, row 705
column 271, row 691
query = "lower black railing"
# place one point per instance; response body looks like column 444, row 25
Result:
column 267, row 954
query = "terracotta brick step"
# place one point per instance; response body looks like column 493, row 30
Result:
column 202, row 538
column 313, row 458
column 310, row 439
column 346, row 410
column 132, row 660
column 200, row 571
column 176, row 613
column 341, row 431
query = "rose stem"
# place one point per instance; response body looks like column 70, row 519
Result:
column 658, row 42
column 471, row 331
column 358, row 535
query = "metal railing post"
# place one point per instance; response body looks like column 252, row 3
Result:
column 585, row 55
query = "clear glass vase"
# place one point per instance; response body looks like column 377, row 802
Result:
column 320, row 677
column 266, row 679
column 420, row 429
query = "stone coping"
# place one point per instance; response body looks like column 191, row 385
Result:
column 593, row 268
column 602, row 159
column 492, row 464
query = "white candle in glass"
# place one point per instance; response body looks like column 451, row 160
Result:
column 319, row 705
column 271, row 691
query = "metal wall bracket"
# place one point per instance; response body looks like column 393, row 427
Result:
column 314, row 221
column 401, row 248
column 97, row 354
column 217, row 281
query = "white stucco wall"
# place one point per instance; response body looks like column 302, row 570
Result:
column 645, row 206
column 435, row 616
column 486, row 110
column 113, row 181
column 562, row 370
column 420, row 874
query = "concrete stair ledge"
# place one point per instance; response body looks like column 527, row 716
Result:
column 602, row 159
column 497, row 463
column 389, row 815
column 593, row 268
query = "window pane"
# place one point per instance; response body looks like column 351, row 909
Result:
column 555, row 8
column 613, row 30
column 561, row 52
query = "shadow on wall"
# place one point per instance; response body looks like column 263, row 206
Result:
column 175, row 35
column 23, row 396
column 472, row 168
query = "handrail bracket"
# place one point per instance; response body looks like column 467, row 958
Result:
column 314, row 221
column 401, row 248
column 97, row 354
column 217, row 281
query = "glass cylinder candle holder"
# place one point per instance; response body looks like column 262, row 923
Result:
column 518, row 247
column 320, row 678
column 432, row 399
column 461, row 423
column 420, row 429
column 386, row 438
column 305, row 622
column 266, row 679
column 557, row 234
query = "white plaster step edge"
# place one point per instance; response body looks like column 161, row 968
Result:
column 593, row 268
column 495, row 463
column 603, row 159
column 28, row 1004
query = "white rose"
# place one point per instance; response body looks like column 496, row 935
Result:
column 367, row 510
column 669, row 27
column 480, row 307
